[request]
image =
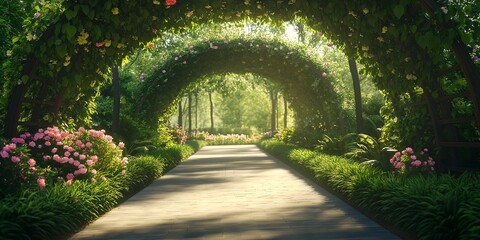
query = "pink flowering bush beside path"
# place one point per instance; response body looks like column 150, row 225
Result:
column 51, row 156
column 407, row 161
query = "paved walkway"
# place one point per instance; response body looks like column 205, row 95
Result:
column 233, row 192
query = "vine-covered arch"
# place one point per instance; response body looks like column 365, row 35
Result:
column 306, row 83
column 64, row 55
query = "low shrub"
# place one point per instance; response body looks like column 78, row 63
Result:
column 417, row 206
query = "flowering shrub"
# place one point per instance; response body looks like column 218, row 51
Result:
column 52, row 155
column 225, row 139
column 407, row 161
column 179, row 135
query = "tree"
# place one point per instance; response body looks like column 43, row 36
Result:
column 358, row 95
column 116, row 100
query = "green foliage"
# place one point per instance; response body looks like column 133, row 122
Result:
column 72, row 45
column 59, row 210
column 371, row 151
column 419, row 206
column 142, row 171
column 337, row 145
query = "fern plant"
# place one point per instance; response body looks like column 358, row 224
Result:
column 370, row 150
column 337, row 145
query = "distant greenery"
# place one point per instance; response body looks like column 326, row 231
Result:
column 416, row 206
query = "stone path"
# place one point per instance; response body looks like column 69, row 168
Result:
column 233, row 192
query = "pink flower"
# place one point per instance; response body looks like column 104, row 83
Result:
column 31, row 162
column 69, row 182
column 94, row 158
column 425, row 149
column 47, row 143
column 90, row 162
column 46, row 157
column 70, row 176
column 93, row 171
column 67, row 154
column 38, row 136
column 39, row 146
column 413, row 157
column 76, row 154
column 88, row 144
column 41, row 182
column 121, row 144
column 93, row 180
column 81, row 129
column 324, row 74
column 79, row 142
column 170, row 2
column 82, row 157
column 82, row 170
column 409, row 150
column 71, row 161
column 416, row 163
column 15, row 159
column 18, row 140
column 4, row 154
column 54, row 150
column 76, row 163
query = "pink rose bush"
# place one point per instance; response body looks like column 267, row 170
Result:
column 52, row 155
column 408, row 161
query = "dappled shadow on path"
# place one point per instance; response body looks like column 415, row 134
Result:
column 222, row 193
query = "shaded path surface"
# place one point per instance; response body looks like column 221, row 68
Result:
column 233, row 192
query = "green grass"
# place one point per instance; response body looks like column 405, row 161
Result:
column 58, row 211
column 416, row 206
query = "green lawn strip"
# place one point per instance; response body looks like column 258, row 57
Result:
column 58, row 211
column 414, row 206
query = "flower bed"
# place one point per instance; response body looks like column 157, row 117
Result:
column 417, row 206
column 58, row 204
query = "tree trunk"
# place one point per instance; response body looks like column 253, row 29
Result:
column 196, row 112
column 116, row 100
column 358, row 95
column 189, row 114
column 285, row 112
column 273, row 120
column 211, row 112
column 180, row 114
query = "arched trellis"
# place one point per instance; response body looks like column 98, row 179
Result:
column 46, row 88
column 293, row 72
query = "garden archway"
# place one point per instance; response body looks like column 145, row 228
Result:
column 306, row 83
column 60, row 70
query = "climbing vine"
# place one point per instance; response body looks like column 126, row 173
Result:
column 67, row 47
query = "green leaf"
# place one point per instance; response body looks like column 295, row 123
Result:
column 70, row 30
column 70, row 14
column 24, row 78
column 15, row 39
column 399, row 10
